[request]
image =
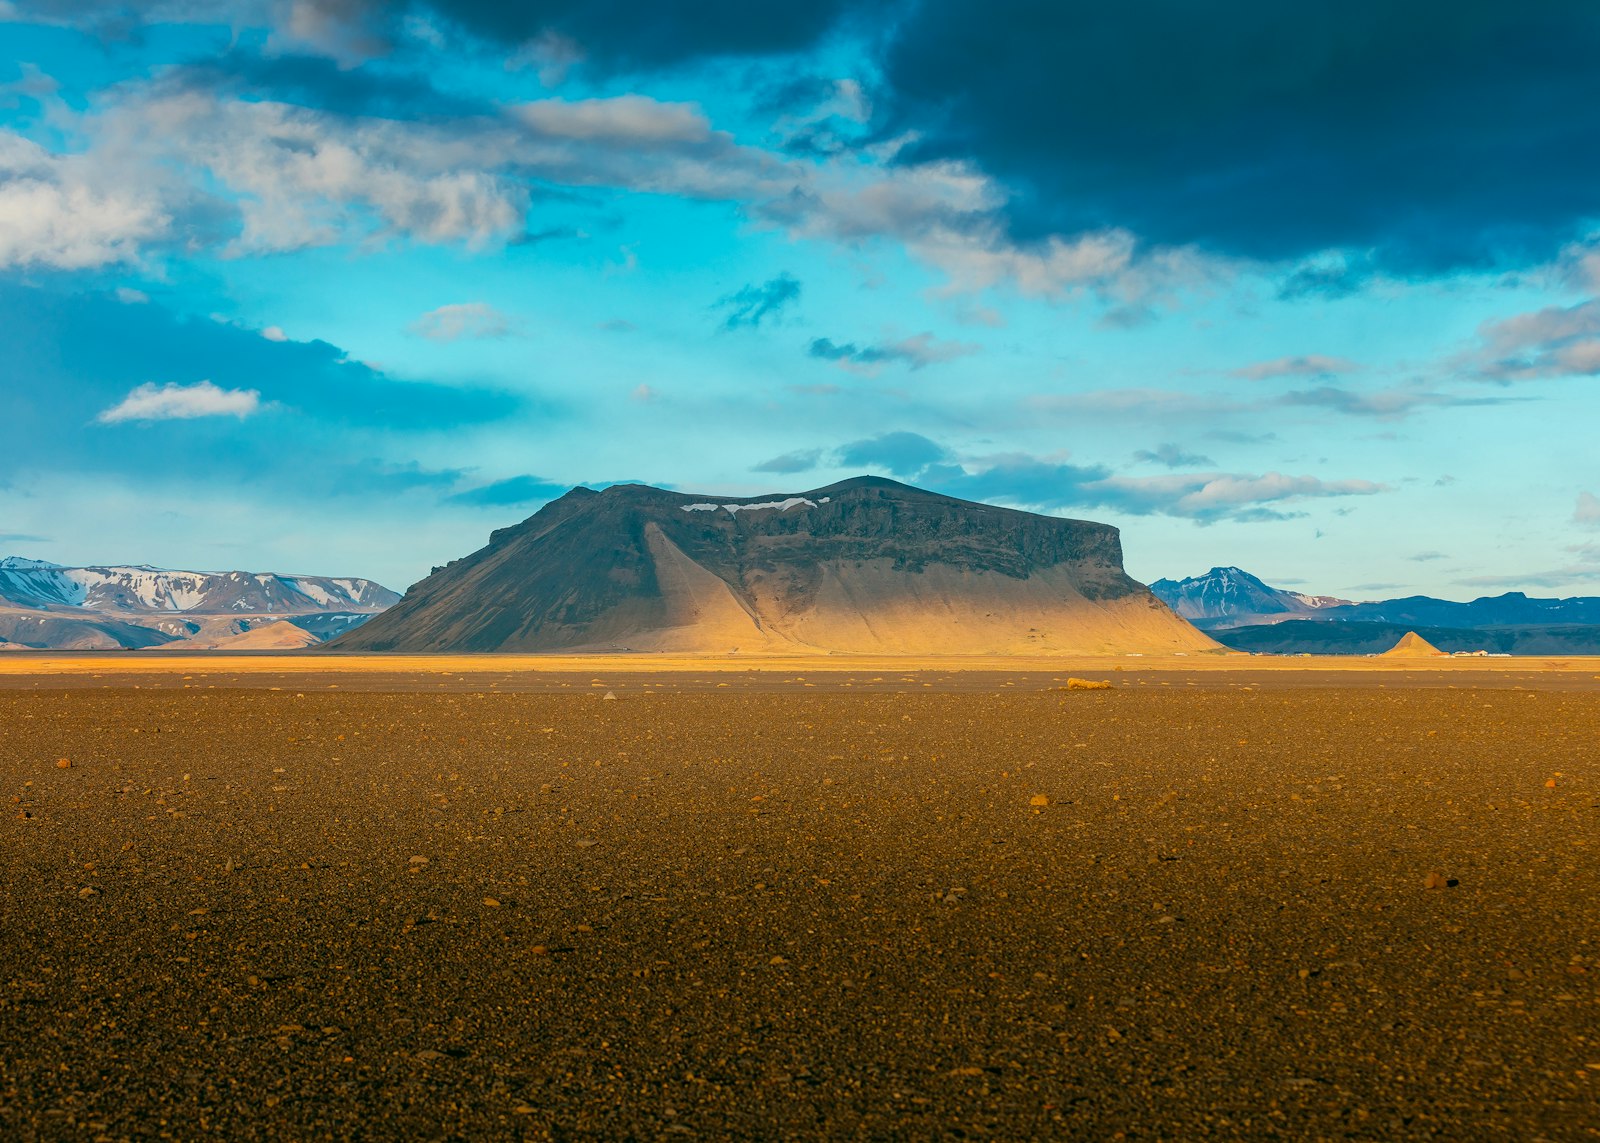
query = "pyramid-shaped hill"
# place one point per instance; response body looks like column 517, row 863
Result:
column 866, row 565
column 1413, row 646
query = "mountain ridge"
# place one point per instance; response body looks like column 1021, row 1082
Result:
column 48, row 606
column 1230, row 597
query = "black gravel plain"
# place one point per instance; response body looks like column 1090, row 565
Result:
column 1252, row 906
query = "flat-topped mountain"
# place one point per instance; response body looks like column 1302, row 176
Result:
column 864, row 565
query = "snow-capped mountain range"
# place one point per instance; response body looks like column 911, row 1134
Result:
column 37, row 584
column 44, row 606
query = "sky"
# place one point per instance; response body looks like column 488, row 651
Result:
column 340, row 286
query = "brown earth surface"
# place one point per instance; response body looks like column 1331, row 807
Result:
column 301, row 897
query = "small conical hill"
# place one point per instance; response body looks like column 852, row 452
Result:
column 1413, row 646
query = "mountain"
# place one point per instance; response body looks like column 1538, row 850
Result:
column 1511, row 609
column 1413, row 646
column 866, row 565
column 35, row 583
column 1314, row 637
column 1230, row 597
column 47, row 606
column 1225, row 597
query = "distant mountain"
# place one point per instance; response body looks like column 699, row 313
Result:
column 45, row 606
column 1512, row 608
column 866, row 565
column 37, row 584
column 1230, row 597
column 1226, row 597
column 1319, row 637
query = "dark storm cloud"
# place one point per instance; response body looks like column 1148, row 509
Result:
column 750, row 306
column 639, row 34
column 1438, row 133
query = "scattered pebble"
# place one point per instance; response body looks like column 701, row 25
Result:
column 1039, row 800
column 64, row 763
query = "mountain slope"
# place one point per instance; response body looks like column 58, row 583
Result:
column 864, row 565
column 1228, row 596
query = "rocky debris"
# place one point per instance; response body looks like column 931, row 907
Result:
column 1086, row 685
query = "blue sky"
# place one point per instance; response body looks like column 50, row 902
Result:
column 339, row 286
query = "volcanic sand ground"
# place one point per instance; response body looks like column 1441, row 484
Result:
column 731, row 904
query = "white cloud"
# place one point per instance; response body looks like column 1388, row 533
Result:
column 64, row 212
column 475, row 321
column 1217, row 493
column 274, row 333
column 346, row 30
column 160, row 162
column 128, row 296
column 172, row 402
column 1588, row 510
column 1052, row 483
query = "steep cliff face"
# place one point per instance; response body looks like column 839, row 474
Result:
column 864, row 565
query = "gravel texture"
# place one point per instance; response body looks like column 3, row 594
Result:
column 1256, row 905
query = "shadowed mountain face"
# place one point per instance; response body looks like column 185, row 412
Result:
column 864, row 565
